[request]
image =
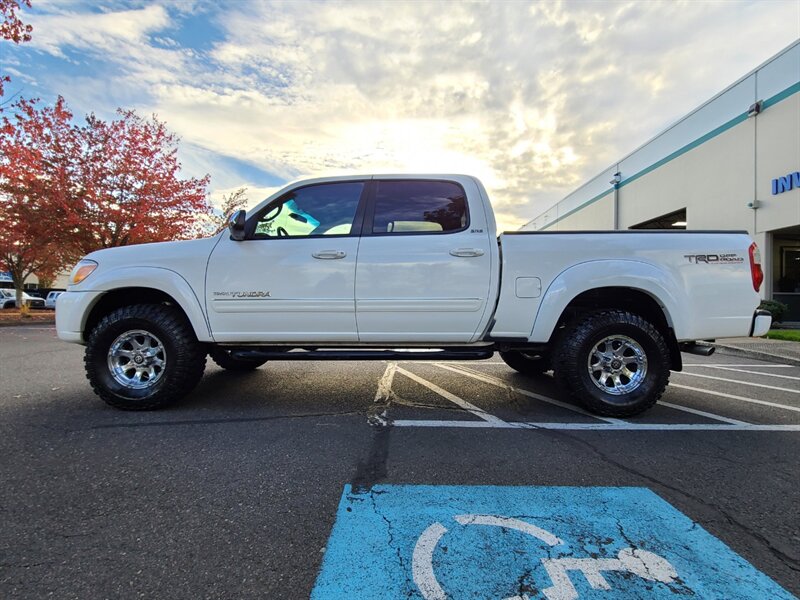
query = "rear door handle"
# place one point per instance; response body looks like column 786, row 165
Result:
column 329, row 254
column 466, row 252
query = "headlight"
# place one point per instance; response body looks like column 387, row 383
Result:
column 81, row 271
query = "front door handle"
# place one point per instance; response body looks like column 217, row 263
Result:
column 466, row 252
column 329, row 254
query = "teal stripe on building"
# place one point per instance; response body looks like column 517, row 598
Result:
column 772, row 101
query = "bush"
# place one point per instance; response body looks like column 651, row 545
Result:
column 778, row 309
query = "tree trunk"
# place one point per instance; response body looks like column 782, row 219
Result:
column 18, row 278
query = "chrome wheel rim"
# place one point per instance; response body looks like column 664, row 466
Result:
column 137, row 359
column 617, row 365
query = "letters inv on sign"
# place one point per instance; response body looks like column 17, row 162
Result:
column 785, row 184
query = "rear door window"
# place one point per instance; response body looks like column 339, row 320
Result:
column 419, row 207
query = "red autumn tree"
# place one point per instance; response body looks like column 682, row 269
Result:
column 38, row 148
column 66, row 190
column 133, row 193
column 12, row 28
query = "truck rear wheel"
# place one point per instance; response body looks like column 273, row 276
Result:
column 614, row 362
column 525, row 362
column 143, row 357
column 224, row 359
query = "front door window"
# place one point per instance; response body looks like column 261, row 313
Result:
column 316, row 210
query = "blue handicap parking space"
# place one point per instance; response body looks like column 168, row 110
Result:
column 520, row 543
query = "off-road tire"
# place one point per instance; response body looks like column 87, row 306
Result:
column 224, row 359
column 526, row 363
column 577, row 342
column 185, row 356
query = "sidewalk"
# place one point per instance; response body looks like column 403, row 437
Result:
column 761, row 349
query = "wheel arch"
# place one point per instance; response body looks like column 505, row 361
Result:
column 147, row 286
column 645, row 296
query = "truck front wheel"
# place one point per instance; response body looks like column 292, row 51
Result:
column 143, row 357
column 615, row 362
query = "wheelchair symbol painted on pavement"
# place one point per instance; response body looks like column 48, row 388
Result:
column 441, row 542
column 641, row 563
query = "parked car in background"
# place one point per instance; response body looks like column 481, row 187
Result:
column 50, row 301
column 8, row 299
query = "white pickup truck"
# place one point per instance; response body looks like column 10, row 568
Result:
column 389, row 267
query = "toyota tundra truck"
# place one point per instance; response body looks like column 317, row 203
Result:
column 409, row 267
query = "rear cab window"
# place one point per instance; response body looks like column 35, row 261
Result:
column 419, row 207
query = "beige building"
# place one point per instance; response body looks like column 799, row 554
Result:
column 733, row 163
column 32, row 282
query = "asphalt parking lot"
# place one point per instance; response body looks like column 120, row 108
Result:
column 235, row 492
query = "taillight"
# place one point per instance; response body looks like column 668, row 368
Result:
column 755, row 267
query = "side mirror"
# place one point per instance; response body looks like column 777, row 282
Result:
column 236, row 225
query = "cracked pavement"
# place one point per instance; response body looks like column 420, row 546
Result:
column 233, row 493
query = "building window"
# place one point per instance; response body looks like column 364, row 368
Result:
column 790, row 269
column 673, row 220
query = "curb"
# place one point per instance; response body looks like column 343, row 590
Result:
column 757, row 355
column 27, row 323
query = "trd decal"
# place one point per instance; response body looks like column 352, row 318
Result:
column 714, row 259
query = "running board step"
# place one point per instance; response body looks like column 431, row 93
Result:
column 363, row 354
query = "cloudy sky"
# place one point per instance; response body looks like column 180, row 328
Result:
column 534, row 98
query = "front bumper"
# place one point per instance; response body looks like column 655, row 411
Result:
column 72, row 310
column 762, row 320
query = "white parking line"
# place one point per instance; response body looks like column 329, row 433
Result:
column 378, row 412
column 462, row 424
column 385, row 384
column 760, row 385
column 607, row 424
column 734, row 397
column 620, row 426
column 499, row 362
column 703, row 413
column 753, row 372
column 478, row 412
column 453, row 362
column 500, row 383
column 735, row 365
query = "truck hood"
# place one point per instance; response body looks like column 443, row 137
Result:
column 186, row 258
column 160, row 254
